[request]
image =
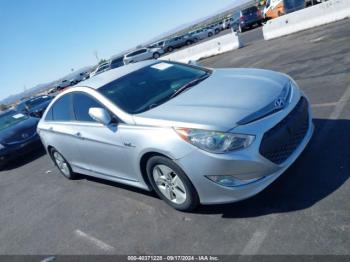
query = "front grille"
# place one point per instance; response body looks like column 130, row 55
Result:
column 279, row 142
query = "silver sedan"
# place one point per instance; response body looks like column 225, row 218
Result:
column 193, row 135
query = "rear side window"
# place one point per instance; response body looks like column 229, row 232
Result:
column 81, row 104
column 62, row 109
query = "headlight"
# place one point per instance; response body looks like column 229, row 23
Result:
column 231, row 181
column 215, row 142
column 2, row 146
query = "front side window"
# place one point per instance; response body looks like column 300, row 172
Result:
column 62, row 109
column 81, row 105
column 150, row 86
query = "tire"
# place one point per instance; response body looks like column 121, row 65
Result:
column 217, row 31
column 240, row 29
column 63, row 166
column 169, row 49
column 171, row 184
column 156, row 55
column 189, row 42
column 195, row 40
column 210, row 34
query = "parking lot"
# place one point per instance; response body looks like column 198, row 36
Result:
column 306, row 211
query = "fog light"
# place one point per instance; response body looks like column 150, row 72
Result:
column 231, row 181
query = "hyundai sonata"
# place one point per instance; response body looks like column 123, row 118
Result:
column 193, row 135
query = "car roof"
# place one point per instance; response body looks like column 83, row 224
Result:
column 113, row 74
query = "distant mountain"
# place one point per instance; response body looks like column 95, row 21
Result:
column 40, row 87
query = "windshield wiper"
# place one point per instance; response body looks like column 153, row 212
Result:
column 189, row 84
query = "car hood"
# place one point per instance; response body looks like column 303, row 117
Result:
column 20, row 131
column 220, row 101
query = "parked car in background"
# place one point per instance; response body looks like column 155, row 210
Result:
column 142, row 54
column 249, row 17
column 276, row 8
column 217, row 27
column 116, row 61
column 176, row 42
column 62, row 84
column 200, row 34
column 235, row 24
column 52, row 90
column 17, row 135
column 34, row 106
column 191, row 134
column 100, row 69
column 78, row 78
column 157, row 44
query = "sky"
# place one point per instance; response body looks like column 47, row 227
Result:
column 43, row 40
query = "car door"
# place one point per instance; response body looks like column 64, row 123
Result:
column 102, row 147
column 141, row 55
column 60, row 133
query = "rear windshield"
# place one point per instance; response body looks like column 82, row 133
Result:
column 249, row 10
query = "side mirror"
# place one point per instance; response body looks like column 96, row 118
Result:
column 100, row 115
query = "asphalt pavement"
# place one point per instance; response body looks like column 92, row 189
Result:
column 305, row 211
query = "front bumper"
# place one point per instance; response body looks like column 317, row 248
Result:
column 244, row 164
column 15, row 151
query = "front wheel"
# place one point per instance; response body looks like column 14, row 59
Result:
column 156, row 55
column 171, row 184
column 210, row 34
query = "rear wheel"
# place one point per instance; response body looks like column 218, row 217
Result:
column 240, row 29
column 189, row 42
column 62, row 164
column 170, row 49
column 210, row 34
column 156, row 55
column 171, row 184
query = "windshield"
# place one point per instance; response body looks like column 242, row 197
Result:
column 150, row 86
column 37, row 101
column 11, row 118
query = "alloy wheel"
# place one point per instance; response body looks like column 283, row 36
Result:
column 61, row 163
column 169, row 184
